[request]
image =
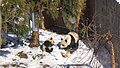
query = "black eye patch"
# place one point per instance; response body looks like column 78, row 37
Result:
column 65, row 40
column 47, row 43
column 61, row 38
column 51, row 38
column 48, row 50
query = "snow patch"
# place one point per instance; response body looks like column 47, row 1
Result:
column 118, row 1
column 83, row 57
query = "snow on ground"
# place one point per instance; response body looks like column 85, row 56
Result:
column 26, row 57
column 118, row 1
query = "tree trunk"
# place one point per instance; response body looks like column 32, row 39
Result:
column 0, row 24
column 34, row 42
column 35, row 35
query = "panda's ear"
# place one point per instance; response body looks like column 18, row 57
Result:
column 65, row 40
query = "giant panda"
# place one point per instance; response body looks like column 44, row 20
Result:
column 69, row 43
column 47, row 45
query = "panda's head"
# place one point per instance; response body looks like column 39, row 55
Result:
column 65, row 42
column 70, row 39
column 50, row 40
column 75, row 35
column 47, row 45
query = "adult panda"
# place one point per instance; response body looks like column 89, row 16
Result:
column 47, row 45
column 69, row 44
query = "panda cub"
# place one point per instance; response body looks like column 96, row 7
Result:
column 47, row 45
column 69, row 44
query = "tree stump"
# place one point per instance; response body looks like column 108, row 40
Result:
column 34, row 42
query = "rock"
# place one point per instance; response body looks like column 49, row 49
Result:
column 22, row 55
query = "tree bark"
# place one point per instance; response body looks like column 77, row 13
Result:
column 34, row 42
column 0, row 23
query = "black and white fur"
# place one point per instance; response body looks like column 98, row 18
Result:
column 69, row 43
column 47, row 45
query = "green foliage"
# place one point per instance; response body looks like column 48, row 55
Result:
column 4, row 27
column 3, row 40
column 73, row 8
column 13, row 11
column 22, row 31
column 37, row 20
column 80, row 7
column 45, row 2
column 53, row 8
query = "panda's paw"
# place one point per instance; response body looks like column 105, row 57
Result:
column 65, row 54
